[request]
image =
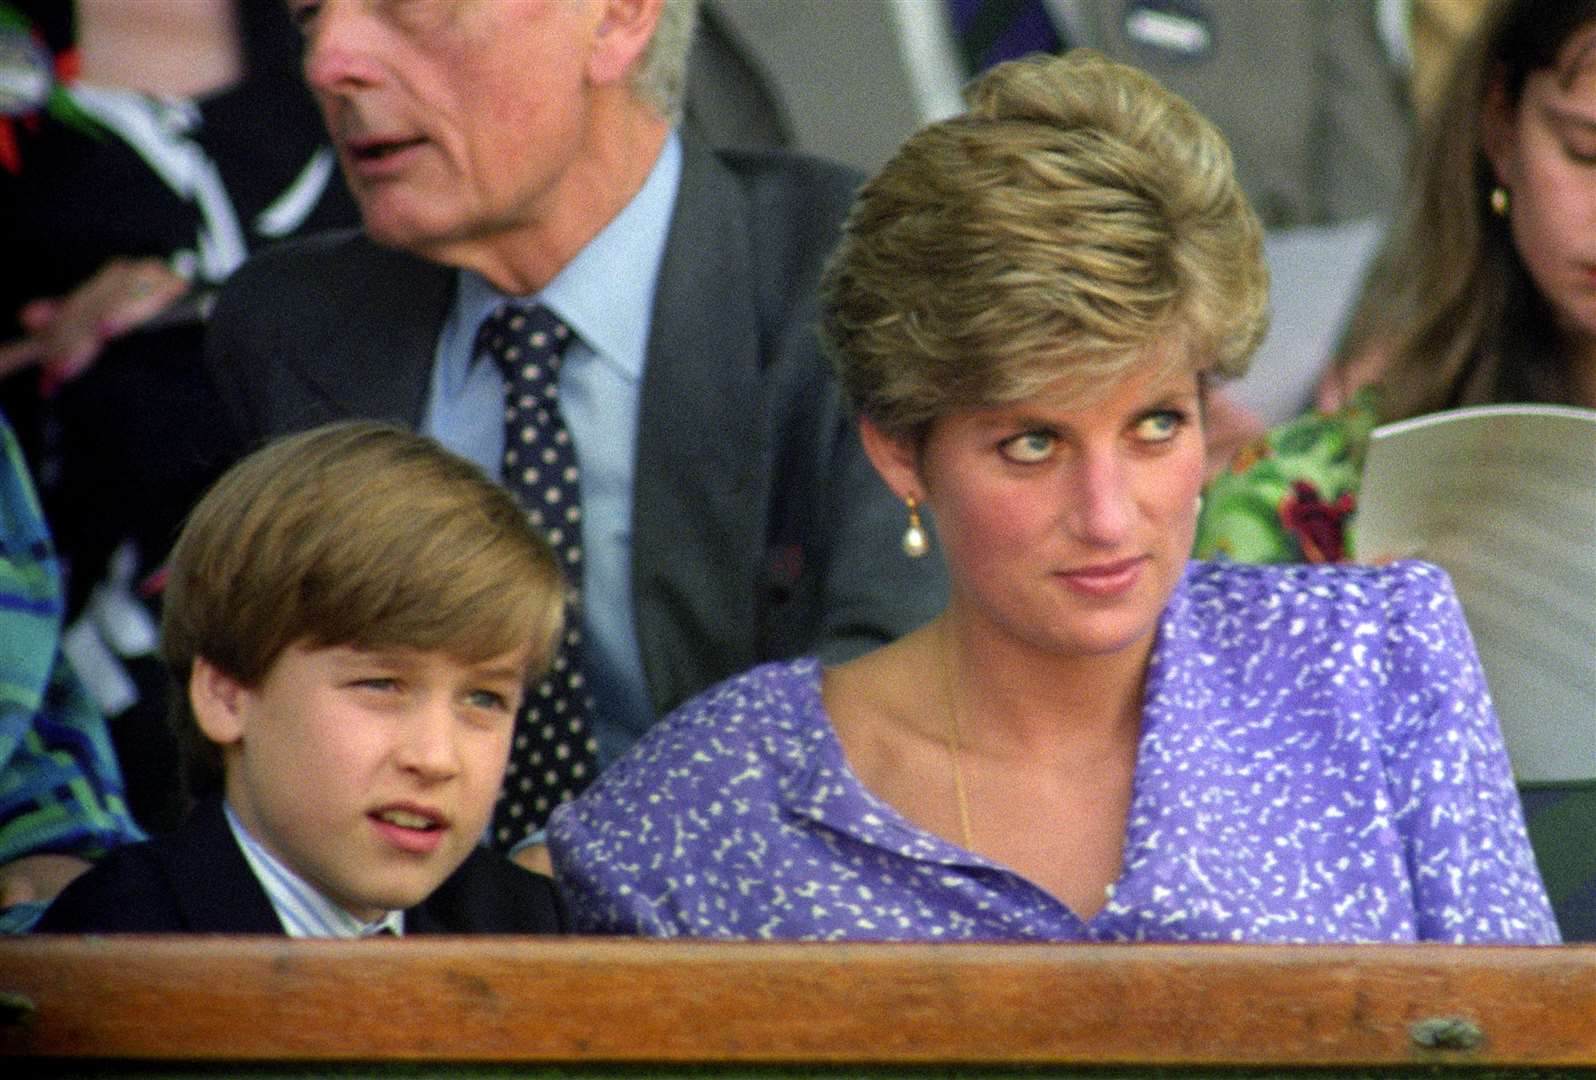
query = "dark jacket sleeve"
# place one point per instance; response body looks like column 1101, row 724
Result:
column 124, row 893
column 490, row 895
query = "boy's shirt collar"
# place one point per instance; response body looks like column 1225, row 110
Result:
column 302, row 909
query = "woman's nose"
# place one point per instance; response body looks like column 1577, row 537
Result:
column 1100, row 500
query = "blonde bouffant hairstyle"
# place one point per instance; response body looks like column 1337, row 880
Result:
column 357, row 533
column 1078, row 220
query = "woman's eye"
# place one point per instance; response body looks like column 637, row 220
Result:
column 1159, row 426
column 1030, row 448
column 1580, row 153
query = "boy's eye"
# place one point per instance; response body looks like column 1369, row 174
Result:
column 1160, row 426
column 489, row 699
column 378, row 682
column 1029, row 448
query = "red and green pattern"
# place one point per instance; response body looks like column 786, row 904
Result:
column 1291, row 495
column 26, row 60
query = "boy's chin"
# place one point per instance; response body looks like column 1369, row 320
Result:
column 395, row 896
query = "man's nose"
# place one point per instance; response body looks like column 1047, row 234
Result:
column 340, row 47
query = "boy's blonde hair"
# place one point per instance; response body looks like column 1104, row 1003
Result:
column 356, row 533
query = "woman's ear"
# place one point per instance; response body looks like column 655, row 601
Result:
column 1499, row 131
column 219, row 702
column 896, row 458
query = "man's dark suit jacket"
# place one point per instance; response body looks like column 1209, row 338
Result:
column 196, row 881
column 759, row 529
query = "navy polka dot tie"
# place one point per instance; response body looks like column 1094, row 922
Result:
column 552, row 756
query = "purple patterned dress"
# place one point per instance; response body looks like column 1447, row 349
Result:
column 1319, row 762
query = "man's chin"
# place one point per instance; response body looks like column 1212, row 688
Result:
column 401, row 228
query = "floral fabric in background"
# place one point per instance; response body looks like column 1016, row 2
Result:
column 1291, row 495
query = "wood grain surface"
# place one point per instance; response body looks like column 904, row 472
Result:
column 590, row 1000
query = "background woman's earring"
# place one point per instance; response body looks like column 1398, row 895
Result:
column 915, row 541
column 1499, row 201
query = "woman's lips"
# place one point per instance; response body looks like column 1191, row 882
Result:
column 1105, row 579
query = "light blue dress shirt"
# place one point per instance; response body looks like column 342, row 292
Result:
column 606, row 296
column 302, row 908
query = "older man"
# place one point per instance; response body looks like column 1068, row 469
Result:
column 717, row 511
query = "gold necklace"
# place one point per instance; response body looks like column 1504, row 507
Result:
column 948, row 684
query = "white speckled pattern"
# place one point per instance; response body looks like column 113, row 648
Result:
column 1319, row 762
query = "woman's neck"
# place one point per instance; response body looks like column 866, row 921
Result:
column 1017, row 699
column 175, row 48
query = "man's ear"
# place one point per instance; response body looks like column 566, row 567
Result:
column 896, row 458
column 218, row 701
column 620, row 38
column 1499, row 132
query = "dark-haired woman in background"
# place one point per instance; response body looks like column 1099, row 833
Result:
column 1484, row 293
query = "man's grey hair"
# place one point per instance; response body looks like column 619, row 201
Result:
column 660, row 78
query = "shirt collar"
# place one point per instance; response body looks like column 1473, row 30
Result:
column 606, row 293
column 303, row 909
column 820, row 786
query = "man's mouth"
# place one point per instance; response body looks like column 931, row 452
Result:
column 373, row 150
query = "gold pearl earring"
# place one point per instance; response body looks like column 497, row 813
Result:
column 915, row 541
column 1499, row 201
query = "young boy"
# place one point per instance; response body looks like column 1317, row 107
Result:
column 355, row 614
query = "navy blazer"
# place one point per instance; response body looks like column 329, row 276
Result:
column 196, row 881
column 759, row 529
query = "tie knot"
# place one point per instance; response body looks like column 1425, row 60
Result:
column 524, row 341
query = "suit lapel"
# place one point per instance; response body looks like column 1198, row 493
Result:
column 701, row 484
column 375, row 358
column 216, row 891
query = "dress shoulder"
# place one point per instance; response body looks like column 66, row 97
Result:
column 1378, row 653
column 1234, row 598
column 770, row 713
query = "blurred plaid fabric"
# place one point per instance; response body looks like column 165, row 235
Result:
column 60, row 787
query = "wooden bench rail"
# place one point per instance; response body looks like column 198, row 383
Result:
column 574, row 1000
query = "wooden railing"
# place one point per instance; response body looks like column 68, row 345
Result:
column 575, row 1002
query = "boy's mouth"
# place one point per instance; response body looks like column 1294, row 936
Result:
column 409, row 819
column 416, row 830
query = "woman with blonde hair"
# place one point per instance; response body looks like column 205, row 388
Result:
column 1098, row 739
column 1485, row 291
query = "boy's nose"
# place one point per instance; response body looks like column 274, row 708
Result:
column 427, row 744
